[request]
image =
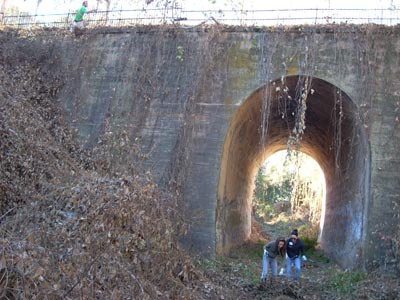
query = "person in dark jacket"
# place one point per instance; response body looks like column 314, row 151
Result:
column 271, row 251
column 294, row 253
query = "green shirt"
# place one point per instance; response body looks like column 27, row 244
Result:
column 79, row 14
column 271, row 249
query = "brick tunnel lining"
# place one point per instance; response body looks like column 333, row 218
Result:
column 334, row 137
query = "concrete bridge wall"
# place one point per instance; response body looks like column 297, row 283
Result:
column 194, row 100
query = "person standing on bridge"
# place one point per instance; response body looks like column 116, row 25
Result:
column 78, row 20
column 271, row 251
column 295, row 251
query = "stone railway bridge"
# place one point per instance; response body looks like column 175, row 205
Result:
column 209, row 105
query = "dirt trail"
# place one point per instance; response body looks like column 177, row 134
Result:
column 320, row 278
column 239, row 279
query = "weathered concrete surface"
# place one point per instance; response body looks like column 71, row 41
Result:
column 197, row 114
column 322, row 139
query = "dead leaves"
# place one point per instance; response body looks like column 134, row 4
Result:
column 73, row 227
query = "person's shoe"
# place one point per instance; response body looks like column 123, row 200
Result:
column 263, row 280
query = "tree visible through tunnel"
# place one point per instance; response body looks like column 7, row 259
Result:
column 315, row 117
column 290, row 193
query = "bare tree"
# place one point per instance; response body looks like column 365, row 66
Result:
column 2, row 10
column 37, row 6
column 108, row 3
column 107, row 9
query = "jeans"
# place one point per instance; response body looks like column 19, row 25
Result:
column 266, row 261
column 297, row 265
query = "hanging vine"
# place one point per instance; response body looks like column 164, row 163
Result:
column 266, row 63
column 302, row 91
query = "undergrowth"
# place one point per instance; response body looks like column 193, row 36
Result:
column 346, row 282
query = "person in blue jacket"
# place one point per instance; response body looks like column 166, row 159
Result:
column 294, row 253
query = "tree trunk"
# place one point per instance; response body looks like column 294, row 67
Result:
column 2, row 10
column 37, row 6
column 108, row 8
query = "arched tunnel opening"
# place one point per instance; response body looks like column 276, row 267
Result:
column 289, row 193
column 333, row 135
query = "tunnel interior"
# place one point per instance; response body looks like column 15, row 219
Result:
column 333, row 135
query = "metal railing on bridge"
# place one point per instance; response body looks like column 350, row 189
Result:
column 270, row 17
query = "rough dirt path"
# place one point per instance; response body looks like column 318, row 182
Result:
column 317, row 282
column 320, row 278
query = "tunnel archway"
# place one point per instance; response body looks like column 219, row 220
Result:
column 334, row 136
column 278, row 200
